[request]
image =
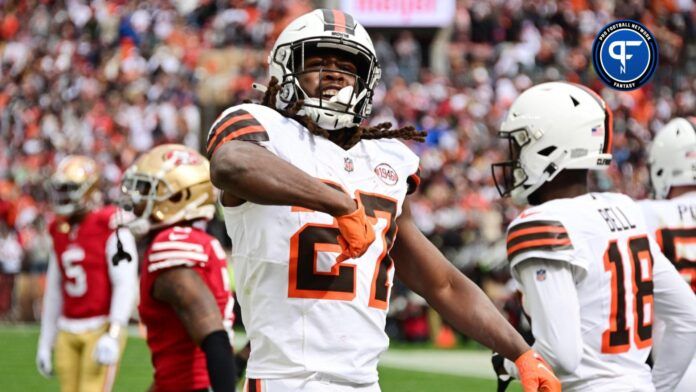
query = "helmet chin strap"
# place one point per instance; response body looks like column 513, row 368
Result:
column 330, row 114
column 343, row 97
column 139, row 227
column 259, row 87
column 343, row 101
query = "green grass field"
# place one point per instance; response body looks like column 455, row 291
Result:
column 18, row 373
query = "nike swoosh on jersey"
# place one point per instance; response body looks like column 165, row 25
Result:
column 525, row 214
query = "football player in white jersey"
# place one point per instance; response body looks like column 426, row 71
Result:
column 672, row 217
column 591, row 276
column 306, row 189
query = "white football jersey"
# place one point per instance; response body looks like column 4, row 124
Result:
column 306, row 315
column 673, row 222
column 604, row 238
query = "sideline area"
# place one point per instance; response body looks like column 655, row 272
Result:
column 402, row 368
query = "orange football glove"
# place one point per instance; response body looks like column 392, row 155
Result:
column 356, row 234
column 536, row 374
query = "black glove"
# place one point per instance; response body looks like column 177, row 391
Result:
column 240, row 365
column 502, row 375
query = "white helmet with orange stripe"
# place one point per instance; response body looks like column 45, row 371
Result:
column 552, row 127
column 315, row 33
column 672, row 156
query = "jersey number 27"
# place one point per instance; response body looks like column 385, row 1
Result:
column 340, row 282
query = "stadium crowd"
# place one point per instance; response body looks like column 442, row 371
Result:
column 111, row 79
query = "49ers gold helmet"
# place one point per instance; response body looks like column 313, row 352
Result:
column 74, row 185
column 167, row 185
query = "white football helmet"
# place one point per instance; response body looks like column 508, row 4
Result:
column 314, row 32
column 672, row 156
column 552, row 127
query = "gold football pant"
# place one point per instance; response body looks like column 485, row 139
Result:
column 75, row 365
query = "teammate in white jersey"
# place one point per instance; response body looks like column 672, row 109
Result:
column 672, row 217
column 590, row 275
column 306, row 189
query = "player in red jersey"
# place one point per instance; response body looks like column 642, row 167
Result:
column 91, row 282
column 185, row 299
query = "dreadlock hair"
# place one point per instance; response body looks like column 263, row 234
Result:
column 379, row 131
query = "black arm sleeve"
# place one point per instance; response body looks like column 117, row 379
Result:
column 219, row 357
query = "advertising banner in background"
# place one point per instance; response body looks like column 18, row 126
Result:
column 401, row 13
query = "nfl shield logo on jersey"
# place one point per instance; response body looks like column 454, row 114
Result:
column 541, row 275
column 348, row 164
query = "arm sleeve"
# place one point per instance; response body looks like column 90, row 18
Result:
column 52, row 305
column 220, row 361
column 675, row 308
column 123, row 276
column 551, row 300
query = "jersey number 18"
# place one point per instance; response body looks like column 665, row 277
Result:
column 616, row 339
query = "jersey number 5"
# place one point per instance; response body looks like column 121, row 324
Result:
column 76, row 282
column 616, row 339
column 339, row 283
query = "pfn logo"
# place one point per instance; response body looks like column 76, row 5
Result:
column 621, row 55
column 624, row 55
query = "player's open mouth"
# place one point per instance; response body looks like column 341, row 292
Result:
column 330, row 91
column 326, row 94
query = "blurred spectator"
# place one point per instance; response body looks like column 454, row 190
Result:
column 408, row 54
column 10, row 265
column 37, row 252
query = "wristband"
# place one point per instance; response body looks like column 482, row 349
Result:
column 114, row 330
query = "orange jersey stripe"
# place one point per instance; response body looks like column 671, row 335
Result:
column 300, row 209
column 535, row 230
column 241, row 132
column 226, row 124
column 609, row 128
column 533, row 243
